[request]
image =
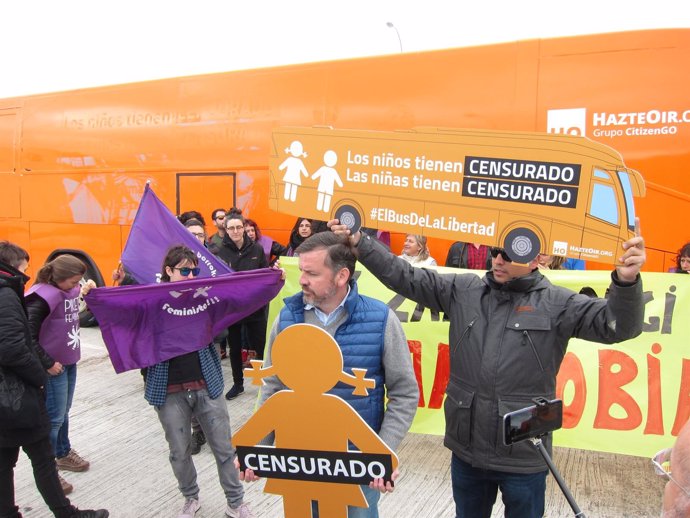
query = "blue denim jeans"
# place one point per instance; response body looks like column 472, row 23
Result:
column 372, row 496
column 59, row 395
column 474, row 491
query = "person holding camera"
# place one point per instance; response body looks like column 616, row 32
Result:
column 509, row 332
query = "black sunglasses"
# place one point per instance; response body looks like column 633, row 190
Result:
column 495, row 252
column 185, row 271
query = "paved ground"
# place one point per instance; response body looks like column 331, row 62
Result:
column 113, row 427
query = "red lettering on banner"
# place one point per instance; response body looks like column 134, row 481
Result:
column 441, row 376
column 571, row 370
column 655, row 418
column 683, row 409
column 415, row 347
column 611, row 391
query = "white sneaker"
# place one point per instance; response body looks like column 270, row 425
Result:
column 191, row 506
column 243, row 511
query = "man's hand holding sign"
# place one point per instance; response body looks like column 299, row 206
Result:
column 634, row 257
column 312, row 430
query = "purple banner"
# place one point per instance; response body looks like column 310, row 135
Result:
column 153, row 232
column 147, row 324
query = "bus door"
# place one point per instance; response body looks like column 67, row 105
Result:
column 206, row 192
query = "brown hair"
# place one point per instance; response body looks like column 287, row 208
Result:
column 59, row 269
column 340, row 254
column 12, row 254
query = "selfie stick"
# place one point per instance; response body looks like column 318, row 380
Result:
column 554, row 471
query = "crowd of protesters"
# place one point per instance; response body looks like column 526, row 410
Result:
column 35, row 349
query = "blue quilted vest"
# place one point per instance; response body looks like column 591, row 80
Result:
column 360, row 339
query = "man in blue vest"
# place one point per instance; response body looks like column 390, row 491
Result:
column 369, row 335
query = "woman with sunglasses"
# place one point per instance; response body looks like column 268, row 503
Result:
column 191, row 385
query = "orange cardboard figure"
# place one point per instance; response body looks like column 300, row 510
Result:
column 309, row 362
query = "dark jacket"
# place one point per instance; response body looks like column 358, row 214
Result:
column 249, row 257
column 17, row 356
column 507, row 342
column 457, row 256
column 38, row 310
column 293, row 244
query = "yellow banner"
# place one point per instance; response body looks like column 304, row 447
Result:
column 629, row 398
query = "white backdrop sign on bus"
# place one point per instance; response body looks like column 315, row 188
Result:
column 526, row 192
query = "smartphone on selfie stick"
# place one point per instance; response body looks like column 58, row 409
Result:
column 533, row 423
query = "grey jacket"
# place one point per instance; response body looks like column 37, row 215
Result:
column 507, row 342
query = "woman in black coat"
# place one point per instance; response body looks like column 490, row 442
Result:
column 20, row 365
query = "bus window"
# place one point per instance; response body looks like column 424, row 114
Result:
column 604, row 204
column 627, row 191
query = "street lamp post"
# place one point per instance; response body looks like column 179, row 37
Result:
column 390, row 25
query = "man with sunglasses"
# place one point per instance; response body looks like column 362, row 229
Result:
column 674, row 465
column 509, row 331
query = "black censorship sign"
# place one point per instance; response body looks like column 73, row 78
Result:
column 315, row 466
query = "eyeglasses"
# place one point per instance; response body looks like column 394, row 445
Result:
column 662, row 467
column 199, row 235
column 495, row 252
column 236, row 229
column 186, row 270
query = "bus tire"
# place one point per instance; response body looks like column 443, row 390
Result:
column 350, row 216
column 522, row 245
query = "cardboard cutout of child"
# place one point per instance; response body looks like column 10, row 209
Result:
column 309, row 362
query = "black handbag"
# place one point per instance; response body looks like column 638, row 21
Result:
column 19, row 402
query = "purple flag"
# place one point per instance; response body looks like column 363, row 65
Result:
column 147, row 324
column 153, row 232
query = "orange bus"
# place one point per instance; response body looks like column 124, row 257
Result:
column 525, row 192
column 73, row 164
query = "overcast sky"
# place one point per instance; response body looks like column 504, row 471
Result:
column 48, row 45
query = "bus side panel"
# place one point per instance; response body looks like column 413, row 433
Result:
column 605, row 79
column 101, row 242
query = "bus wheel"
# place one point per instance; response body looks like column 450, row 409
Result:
column 348, row 215
column 522, row 245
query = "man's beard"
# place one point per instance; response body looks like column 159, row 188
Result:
column 311, row 298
